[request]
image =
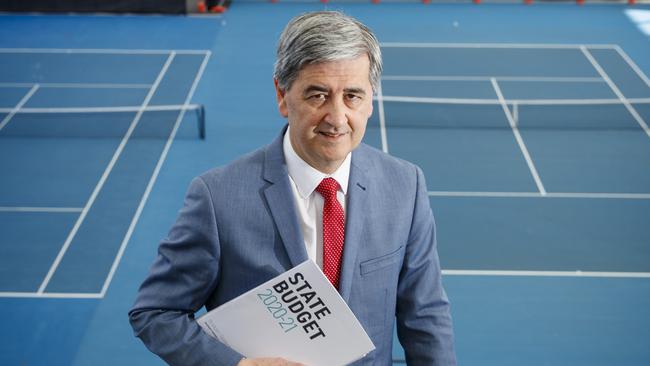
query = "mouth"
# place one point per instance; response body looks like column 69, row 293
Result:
column 331, row 135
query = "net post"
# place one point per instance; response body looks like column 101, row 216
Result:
column 515, row 113
column 200, row 116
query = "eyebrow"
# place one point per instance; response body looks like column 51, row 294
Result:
column 315, row 88
column 355, row 91
column 319, row 88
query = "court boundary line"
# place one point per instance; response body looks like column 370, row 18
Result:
column 382, row 119
column 494, row 45
column 596, row 195
column 104, row 176
column 616, row 90
column 435, row 100
column 575, row 101
column 519, row 139
column 50, row 295
column 445, row 272
column 17, row 107
column 518, row 273
column 632, row 64
column 77, row 85
column 555, row 79
column 116, row 51
column 119, row 109
column 153, row 178
column 40, row 209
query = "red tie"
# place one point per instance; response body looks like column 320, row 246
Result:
column 333, row 230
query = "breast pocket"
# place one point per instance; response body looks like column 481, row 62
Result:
column 384, row 261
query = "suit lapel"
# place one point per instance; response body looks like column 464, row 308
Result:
column 354, row 221
column 279, row 197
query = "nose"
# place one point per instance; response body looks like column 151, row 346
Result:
column 336, row 113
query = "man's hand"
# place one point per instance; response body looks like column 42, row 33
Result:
column 274, row 361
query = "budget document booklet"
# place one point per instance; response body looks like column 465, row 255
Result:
column 298, row 315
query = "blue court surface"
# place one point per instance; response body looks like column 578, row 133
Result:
column 530, row 123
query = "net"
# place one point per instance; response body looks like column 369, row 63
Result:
column 153, row 122
column 479, row 114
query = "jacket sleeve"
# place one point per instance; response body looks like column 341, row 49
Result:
column 424, row 324
column 179, row 283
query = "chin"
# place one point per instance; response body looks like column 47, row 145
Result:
column 335, row 158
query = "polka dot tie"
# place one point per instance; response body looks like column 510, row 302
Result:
column 333, row 230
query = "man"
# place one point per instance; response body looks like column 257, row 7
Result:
column 316, row 192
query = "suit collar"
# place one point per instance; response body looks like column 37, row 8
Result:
column 280, row 201
column 355, row 224
column 275, row 167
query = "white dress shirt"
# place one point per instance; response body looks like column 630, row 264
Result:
column 309, row 203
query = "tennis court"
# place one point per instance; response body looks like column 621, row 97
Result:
column 529, row 122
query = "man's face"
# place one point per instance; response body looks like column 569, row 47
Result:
column 328, row 106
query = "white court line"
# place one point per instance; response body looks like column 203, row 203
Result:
column 395, row 98
column 445, row 272
column 41, row 209
column 105, row 175
column 499, row 78
column 585, row 274
column 633, row 65
column 595, row 195
column 616, row 91
column 484, row 101
column 110, row 51
column 493, row 45
column 12, row 112
column 121, row 109
column 519, row 139
column 382, row 119
column 51, row 295
column 77, row 85
column 575, row 101
column 153, row 178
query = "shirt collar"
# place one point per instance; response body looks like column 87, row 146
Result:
column 306, row 177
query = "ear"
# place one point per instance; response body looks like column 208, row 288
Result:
column 282, row 103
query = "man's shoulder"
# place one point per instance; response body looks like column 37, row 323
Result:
column 245, row 168
column 379, row 161
column 395, row 181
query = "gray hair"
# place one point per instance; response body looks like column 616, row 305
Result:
column 324, row 36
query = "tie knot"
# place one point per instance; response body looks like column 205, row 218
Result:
column 328, row 188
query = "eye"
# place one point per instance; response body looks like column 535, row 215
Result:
column 318, row 96
column 353, row 98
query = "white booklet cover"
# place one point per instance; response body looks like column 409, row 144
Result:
column 298, row 315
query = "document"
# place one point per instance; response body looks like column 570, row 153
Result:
column 298, row 315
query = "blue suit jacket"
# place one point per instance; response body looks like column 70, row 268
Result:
column 238, row 228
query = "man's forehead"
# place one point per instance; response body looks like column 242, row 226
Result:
column 355, row 72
